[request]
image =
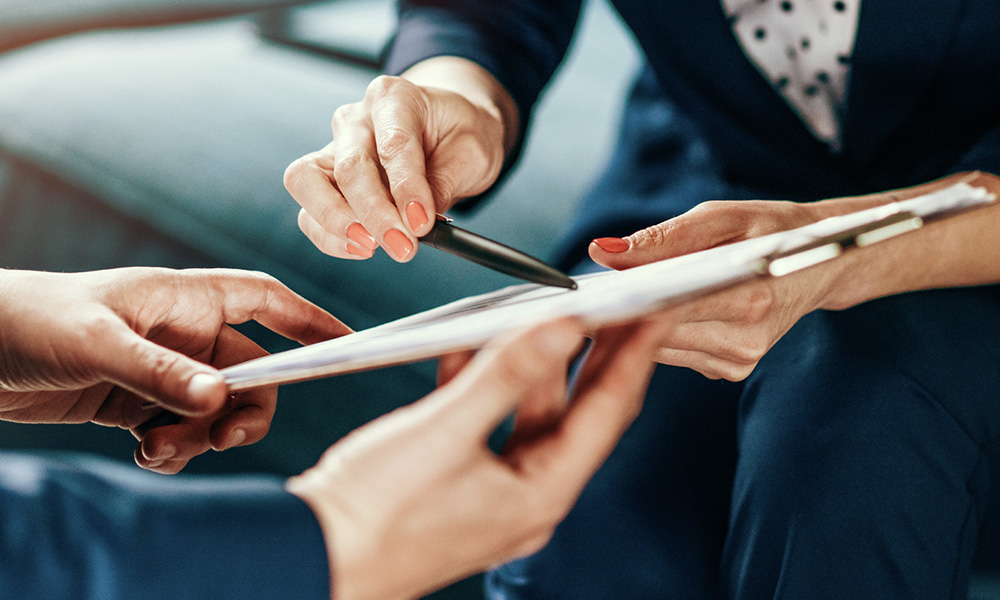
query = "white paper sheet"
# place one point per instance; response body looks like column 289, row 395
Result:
column 601, row 299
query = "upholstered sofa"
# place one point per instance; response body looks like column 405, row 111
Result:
column 165, row 145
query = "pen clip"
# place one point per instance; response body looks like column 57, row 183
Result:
column 801, row 253
column 443, row 217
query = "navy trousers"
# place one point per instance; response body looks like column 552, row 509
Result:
column 853, row 463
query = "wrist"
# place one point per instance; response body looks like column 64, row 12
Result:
column 353, row 571
column 947, row 253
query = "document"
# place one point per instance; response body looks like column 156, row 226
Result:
column 601, row 299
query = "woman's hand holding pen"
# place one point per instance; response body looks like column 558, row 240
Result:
column 410, row 149
column 138, row 349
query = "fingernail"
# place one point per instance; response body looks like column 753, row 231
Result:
column 399, row 245
column 237, row 437
column 201, row 384
column 360, row 236
column 613, row 244
column 416, row 215
column 358, row 251
column 166, row 451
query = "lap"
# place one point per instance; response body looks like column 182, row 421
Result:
column 879, row 410
column 863, row 464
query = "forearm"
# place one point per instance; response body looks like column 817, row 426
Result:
column 963, row 250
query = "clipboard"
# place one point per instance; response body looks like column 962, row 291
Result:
column 604, row 298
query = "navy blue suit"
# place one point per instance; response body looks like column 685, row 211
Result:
column 857, row 461
column 89, row 529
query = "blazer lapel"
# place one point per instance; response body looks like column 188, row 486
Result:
column 899, row 46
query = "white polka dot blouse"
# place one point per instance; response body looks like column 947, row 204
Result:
column 803, row 47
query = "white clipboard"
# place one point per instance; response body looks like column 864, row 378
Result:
column 603, row 298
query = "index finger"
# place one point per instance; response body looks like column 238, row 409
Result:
column 248, row 295
column 398, row 119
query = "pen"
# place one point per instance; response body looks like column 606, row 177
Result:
column 494, row 255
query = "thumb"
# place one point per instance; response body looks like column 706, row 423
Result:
column 658, row 242
column 502, row 377
column 169, row 378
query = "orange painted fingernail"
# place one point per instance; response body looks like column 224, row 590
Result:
column 360, row 236
column 359, row 251
column 416, row 215
column 399, row 245
column 613, row 244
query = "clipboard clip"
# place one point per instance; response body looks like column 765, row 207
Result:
column 800, row 253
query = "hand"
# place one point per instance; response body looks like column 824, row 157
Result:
column 416, row 499
column 131, row 348
column 725, row 334
column 405, row 152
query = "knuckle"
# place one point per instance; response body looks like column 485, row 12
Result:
column 743, row 347
column 293, row 174
column 344, row 114
column 96, row 326
column 737, row 373
column 264, row 282
column 394, row 142
column 329, row 219
column 747, row 353
column 383, row 86
column 353, row 163
column 759, row 304
column 656, row 235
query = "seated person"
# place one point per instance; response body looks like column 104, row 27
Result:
column 827, row 433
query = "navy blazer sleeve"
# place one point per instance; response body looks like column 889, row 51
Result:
column 84, row 528
column 983, row 156
column 520, row 42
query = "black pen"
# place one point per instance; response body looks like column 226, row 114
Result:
column 493, row 255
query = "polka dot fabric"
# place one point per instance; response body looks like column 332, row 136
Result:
column 803, row 47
